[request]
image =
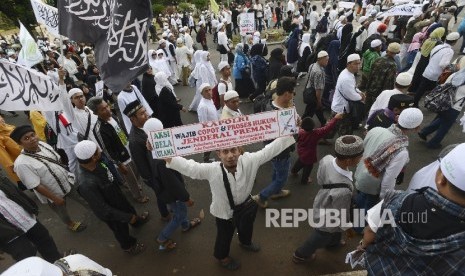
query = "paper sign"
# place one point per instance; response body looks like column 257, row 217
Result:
column 99, row 88
column 247, row 23
column 346, row 5
column 227, row 133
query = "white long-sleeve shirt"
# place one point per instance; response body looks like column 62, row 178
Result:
column 207, row 111
column 241, row 182
column 440, row 57
column 182, row 56
column 124, row 98
column 346, row 85
column 382, row 100
column 223, row 40
column 314, row 18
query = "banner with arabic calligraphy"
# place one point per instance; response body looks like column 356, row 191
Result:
column 46, row 15
column 227, row 133
column 25, row 89
column 403, row 10
column 118, row 29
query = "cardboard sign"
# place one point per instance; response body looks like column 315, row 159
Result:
column 346, row 5
column 99, row 88
column 227, row 133
column 247, row 23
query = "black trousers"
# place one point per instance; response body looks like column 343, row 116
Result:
column 307, row 170
column 225, row 231
column 36, row 239
column 121, row 233
column 311, row 110
column 426, row 85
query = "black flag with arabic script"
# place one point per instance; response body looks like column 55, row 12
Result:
column 118, row 28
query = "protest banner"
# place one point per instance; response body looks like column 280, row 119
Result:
column 346, row 5
column 247, row 23
column 119, row 31
column 227, row 133
column 46, row 15
column 30, row 53
column 99, row 88
column 25, row 89
column 401, row 10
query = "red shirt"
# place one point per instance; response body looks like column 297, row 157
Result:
column 308, row 140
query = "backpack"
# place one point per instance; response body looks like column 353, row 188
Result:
column 216, row 95
column 261, row 102
column 198, row 38
column 441, row 98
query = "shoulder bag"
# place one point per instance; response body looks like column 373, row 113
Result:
column 248, row 207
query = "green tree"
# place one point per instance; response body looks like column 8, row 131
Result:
column 182, row 7
column 157, row 9
column 200, row 4
column 19, row 10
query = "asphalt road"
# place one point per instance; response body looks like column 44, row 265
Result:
column 194, row 253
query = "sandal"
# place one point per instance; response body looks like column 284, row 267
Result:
column 167, row 245
column 231, row 264
column 77, row 227
column 192, row 224
column 143, row 199
column 141, row 220
column 136, row 249
column 299, row 260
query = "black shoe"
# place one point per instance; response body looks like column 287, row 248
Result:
column 231, row 264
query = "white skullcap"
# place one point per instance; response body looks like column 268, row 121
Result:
column 322, row 54
column 362, row 19
column 353, row 57
column 410, row 118
column 182, row 29
column 256, row 33
column 218, row 28
column 379, row 15
column 179, row 41
column 165, row 34
column 203, row 85
column 85, row 149
column 375, row 43
column 453, row 36
column 152, row 124
column 73, row 91
column 230, row 94
column 341, row 9
column 373, row 13
column 161, row 41
column 33, row 266
column 453, row 167
column 404, row 79
column 342, row 18
column 222, row 65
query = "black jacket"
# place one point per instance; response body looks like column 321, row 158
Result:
column 110, row 142
column 104, row 195
column 169, row 109
column 8, row 231
column 148, row 91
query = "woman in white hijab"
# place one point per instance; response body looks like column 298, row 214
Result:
column 203, row 73
column 168, row 107
column 160, row 64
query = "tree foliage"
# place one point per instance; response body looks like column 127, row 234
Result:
column 200, row 4
column 19, row 10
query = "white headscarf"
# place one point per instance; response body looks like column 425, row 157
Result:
column 160, row 64
column 305, row 43
column 202, row 64
column 256, row 38
column 161, row 80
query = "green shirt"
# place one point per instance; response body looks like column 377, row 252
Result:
column 368, row 58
